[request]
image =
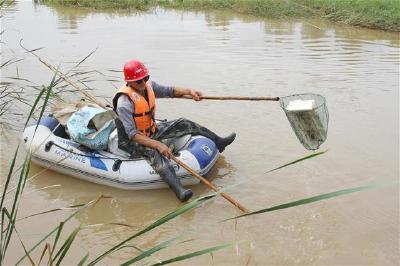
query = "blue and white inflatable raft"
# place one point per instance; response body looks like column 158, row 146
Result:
column 50, row 149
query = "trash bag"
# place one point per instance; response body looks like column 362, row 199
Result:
column 63, row 111
column 91, row 127
column 113, row 145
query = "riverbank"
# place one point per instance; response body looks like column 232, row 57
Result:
column 374, row 14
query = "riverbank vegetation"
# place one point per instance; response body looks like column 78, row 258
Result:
column 375, row 14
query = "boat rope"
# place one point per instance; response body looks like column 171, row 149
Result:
column 51, row 143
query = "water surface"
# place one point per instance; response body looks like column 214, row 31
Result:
column 222, row 53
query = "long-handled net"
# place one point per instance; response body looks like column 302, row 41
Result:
column 307, row 113
column 309, row 117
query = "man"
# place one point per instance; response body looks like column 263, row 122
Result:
column 138, row 132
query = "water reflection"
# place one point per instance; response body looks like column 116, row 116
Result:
column 220, row 21
column 147, row 204
column 9, row 7
column 69, row 18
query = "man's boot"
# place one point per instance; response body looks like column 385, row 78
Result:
column 169, row 176
column 223, row 142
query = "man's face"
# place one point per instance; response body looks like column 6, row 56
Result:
column 139, row 84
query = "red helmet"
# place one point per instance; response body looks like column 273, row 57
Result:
column 135, row 70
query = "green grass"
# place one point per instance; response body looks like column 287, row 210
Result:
column 376, row 14
column 261, row 8
column 105, row 4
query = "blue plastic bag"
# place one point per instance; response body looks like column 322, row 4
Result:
column 91, row 127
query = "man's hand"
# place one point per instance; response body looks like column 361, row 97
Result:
column 195, row 94
column 179, row 92
column 164, row 150
column 151, row 143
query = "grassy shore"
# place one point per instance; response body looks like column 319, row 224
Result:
column 375, row 14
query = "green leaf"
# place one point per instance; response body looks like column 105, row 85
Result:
column 83, row 260
column 157, row 223
column 86, row 57
column 90, row 203
column 308, row 200
column 67, row 245
column 4, row 214
column 149, row 252
column 14, row 210
column 46, row 248
column 10, row 171
column 69, row 208
column 297, row 161
column 60, row 228
column 195, row 254
column 27, row 169
column 46, row 99
column 19, row 237
column 34, row 106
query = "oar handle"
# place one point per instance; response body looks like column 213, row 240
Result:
column 236, row 98
column 210, row 185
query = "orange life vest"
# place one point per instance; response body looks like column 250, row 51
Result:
column 144, row 111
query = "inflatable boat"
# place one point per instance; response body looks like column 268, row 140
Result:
column 52, row 149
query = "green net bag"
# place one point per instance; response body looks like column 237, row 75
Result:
column 308, row 115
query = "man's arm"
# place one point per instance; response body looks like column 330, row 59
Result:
column 162, row 91
column 151, row 143
column 180, row 91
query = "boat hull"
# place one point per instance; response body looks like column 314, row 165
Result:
column 68, row 157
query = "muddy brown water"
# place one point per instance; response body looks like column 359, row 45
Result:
column 220, row 53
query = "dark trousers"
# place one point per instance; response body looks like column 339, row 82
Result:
column 165, row 130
